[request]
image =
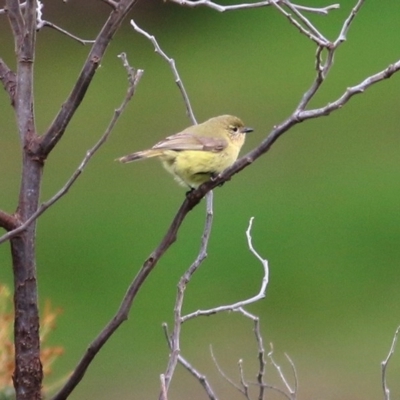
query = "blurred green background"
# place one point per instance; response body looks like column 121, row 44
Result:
column 325, row 200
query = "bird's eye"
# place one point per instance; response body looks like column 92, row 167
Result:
column 235, row 129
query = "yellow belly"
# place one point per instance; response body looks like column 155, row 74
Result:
column 192, row 168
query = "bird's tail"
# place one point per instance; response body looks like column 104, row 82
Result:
column 140, row 155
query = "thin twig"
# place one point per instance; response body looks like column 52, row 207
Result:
column 223, row 374
column 323, row 68
column 294, row 370
column 242, row 303
column 261, row 351
column 41, row 147
column 262, row 362
column 63, row 31
column 350, row 92
column 308, row 29
column 266, row 3
column 134, row 78
column 312, row 32
column 322, row 10
column 218, row 7
column 171, row 63
column 275, row 389
column 200, row 377
column 77, row 375
column 164, row 395
column 346, row 26
column 243, row 380
column 261, row 358
column 385, row 363
column 40, row 23
column 185, row 279
column 297, row 11
column 281, row 374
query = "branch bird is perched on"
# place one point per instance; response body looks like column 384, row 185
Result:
column 199, row 152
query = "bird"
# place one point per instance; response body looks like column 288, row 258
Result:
column 199, row 152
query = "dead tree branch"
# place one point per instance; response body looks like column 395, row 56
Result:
column 43, row 145
column 171, row 63
column 174, row 339
column 133, row 79
column 385, row 363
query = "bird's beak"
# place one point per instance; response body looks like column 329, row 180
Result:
column 246, row 129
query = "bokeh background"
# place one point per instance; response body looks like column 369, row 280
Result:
column 325, row 200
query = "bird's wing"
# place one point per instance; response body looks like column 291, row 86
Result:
column 188, row 141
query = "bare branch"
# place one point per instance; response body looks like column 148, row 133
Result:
column 163, row 395
column 350, row 92
column 262, row 362
column 123, row 311
column 242, row 303
column 7, row 221
column 308, row 29
column 243, row 380
column 322, row 10
column 261, row 351
column 9, row 80
column 294, row 119
column 43, row 145
column 312, row 32
column 346, row 26
column 385, row 363
column 77, row 375
column 64, row 32
column 239, row 388
column 223, row 374
column 42, row 23
column 281, row 374
column 296, row 380
column 261, row 358
column 185, row 279
column 171, row 63
column 218, row 7
column 134, row 78
column 322, row 70
column 200, row 377
column 28, row 372
column 278, row 390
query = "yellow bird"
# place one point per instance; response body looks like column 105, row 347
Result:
column 199, row 152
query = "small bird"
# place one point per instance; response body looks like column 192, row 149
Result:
column 199, row 152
